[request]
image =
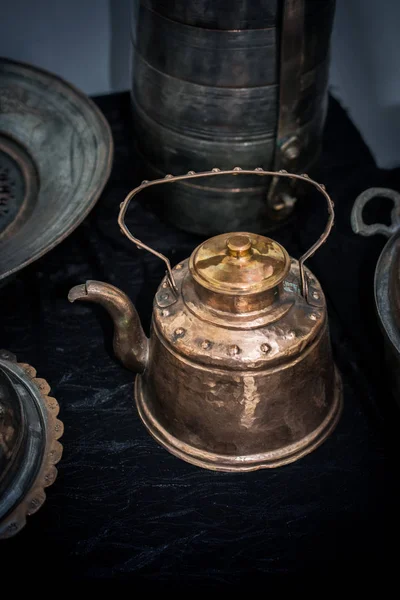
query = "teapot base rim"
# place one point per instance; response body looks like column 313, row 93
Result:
column 233, row 463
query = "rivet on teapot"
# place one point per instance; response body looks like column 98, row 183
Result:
column 238, row 373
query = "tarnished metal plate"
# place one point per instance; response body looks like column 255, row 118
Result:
column 55, row 158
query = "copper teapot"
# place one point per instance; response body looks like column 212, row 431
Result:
column 237, row 374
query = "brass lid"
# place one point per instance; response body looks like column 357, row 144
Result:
column 239, row 263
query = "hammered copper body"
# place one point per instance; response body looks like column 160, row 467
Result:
column 238, row 372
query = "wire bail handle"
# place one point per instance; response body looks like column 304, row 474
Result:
column 235, row 171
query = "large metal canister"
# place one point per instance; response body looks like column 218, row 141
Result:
column 223, row 84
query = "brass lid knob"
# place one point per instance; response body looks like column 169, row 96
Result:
column 239, row 246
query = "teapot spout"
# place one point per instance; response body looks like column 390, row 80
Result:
column 130, row 343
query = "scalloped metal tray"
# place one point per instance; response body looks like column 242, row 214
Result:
column 29, row 446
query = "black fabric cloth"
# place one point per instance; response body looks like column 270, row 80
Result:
column 123, row 507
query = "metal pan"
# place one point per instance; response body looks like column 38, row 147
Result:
column 387, row 274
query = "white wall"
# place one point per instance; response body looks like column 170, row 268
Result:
column 88, row 43
column 120, row 15
column 365, row 72
column 69, row 37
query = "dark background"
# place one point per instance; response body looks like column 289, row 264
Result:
column 123, row 507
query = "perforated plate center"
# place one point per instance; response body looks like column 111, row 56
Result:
column 18, row 186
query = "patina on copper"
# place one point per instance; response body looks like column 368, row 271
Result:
column 238, row 373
